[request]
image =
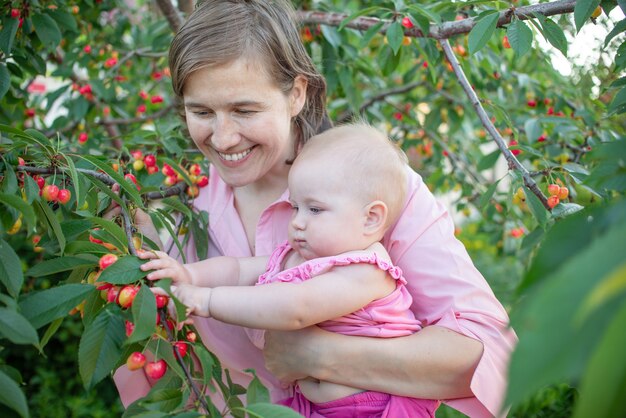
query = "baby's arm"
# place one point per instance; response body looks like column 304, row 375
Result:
column 287, row 306
column 212, row 272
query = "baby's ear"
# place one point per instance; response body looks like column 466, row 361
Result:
column 375, row 217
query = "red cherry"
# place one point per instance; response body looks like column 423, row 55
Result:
column 149, row 160
column 202, row 181
column 191, row 336
column 505, row 42
column 553, row 201
column 30, row 112
column 563, row 193
column 152, row 169
column 82, row 137
column 155, row 369
column 553, row 189
column 41, row 182
column 130, row 327
column 182, row 348
column 50, row 192
column 64, row 196
column 156, row 99
column 542, row 138
column 514, row 151
column 106, row 260
column 531, row 103
column 407, row 23
column 141, row 108
column 162, row 301
column 127, row 296
column 136, row 361
column 15, row 13
column 167, row 170
column 87, row 49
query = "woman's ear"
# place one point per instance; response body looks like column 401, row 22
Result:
column 298, row 95
column 375, row 217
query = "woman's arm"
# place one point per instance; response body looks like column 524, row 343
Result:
column 435, row 363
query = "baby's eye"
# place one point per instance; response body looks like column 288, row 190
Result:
column 315, row 210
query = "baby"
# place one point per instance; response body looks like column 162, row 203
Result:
column 346, row 188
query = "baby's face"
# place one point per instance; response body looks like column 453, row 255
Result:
column 328, row 218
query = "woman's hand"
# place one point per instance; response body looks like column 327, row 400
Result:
column 290, row 355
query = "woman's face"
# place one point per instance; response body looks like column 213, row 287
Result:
column 241, row 121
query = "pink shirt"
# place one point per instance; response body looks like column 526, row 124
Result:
column 386, row 317
column 447, row 289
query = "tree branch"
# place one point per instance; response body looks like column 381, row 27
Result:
column 171, row 14
column 345, row 116
column 447, row 29
column 513, row 163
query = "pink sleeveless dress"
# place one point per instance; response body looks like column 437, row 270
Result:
column 383, row 318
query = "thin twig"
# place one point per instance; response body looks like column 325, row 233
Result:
column 345, row 116
column 513, row 163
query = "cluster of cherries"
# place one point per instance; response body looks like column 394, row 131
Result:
column 124, row 296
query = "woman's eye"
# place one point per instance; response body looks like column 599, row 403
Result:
column 245, row 112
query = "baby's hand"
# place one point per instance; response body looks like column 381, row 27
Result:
column 197, row 299
column 164, row 267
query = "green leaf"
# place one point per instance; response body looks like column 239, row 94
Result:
column 486, row 197
column 116, row 232
column 16, row 328
column 345, row 78
column 7, row 35
column 488, row 160
column 47, row 30
column 144, row 315
column 256, row 393
column 434, row 17
column 163, row 400
column 57, row 265
column 43, row 307
column 128, row 187
column 12, row 396
column 554, row 34
column 50, row 331
column 5, row 80
column 565, row 209
column 533, row 129
column 602, row 389
column 100, row 346
column 395, row 35
column 618, row 104
column 361, row 12
column 265, row 410
column 10, row 269
column 482, row 31
column 178, row 206
column 520, row 37
column 583, row 10
column 19, row 204
column 75, row 181
column 63, row 18
column 536, row 207
column 619, row 28
column 124, row 271
column 566, row 343
column 199, row 228
column 53, row 222
column 613, row 285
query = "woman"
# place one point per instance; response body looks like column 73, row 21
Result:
column 251, row 96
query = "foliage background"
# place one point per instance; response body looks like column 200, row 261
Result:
column 404, row 84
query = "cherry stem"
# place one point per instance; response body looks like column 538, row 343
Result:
column 182, row 364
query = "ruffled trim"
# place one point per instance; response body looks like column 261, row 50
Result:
column 315, row 267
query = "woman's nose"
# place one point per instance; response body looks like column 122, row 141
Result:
column 225, row 134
